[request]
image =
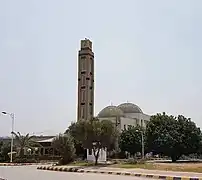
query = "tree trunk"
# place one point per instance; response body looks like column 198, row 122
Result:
column 96, row 155
column 21, row 154
column 174, row 158
column 96, row 160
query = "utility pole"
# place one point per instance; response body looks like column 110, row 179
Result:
column 12, row 130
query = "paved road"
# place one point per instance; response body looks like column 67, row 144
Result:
column 31, row 173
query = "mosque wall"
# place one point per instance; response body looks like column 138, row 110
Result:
column 126, row 122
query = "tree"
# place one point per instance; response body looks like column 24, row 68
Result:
column 1, row 144
column 5, row 149
column 199, row 153
column 94, row 134
column 23, row 142
column 79, row 149
column 172, row 136
column 64, row 144
column 130, row 140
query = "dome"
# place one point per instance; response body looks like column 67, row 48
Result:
column 129, row 108
column 110, row 111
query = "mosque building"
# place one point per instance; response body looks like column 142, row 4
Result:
column 124, row 115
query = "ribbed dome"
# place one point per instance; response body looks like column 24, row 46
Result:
column 110, row 111
column 129, row 108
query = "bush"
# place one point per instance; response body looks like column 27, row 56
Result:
column 132, row 161
column 24, row 160
column 141, row 161
column 64, row 144
column 5, row 149
column 64, row 161
column 136, row 161
column 47, row 158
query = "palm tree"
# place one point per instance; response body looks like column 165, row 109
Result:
column 23, row 142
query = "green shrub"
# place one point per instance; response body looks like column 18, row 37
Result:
column 64, row 144
column 5, row 149
column 136, row 161
column 141, row 161
column 24, row 160
column 132, row 161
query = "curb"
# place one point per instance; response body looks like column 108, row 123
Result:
column 151, row 176
column 20, row 164
column 15, row 164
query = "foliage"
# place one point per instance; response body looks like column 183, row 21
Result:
column 24, row 160
column 80, row 151
column 5, row 149
column 1, row 144
column 172, row 136
column 94, row 134
column 23, row 142
column 136, row 161
column 65, row 146
column 199, row 153
column 130, row 140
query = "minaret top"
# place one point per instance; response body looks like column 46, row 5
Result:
column 86, row 44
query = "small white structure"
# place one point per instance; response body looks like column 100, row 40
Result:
column 102, row 155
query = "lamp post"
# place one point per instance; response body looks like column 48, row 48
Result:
column 12, row 129
column 142, row 141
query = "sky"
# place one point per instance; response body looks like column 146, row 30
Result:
column 146, row 52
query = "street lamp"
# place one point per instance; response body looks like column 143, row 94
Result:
column 12, row 129
column 142, row 141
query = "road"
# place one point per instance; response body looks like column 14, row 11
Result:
column 31, row 173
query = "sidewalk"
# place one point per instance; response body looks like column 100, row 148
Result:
column 130, row 172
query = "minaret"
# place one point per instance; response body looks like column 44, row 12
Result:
column 85, row 106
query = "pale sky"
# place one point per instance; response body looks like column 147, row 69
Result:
column 146, row 51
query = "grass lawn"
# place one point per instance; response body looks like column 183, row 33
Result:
column 185, row 167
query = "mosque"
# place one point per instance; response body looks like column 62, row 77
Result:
column 124, row 115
